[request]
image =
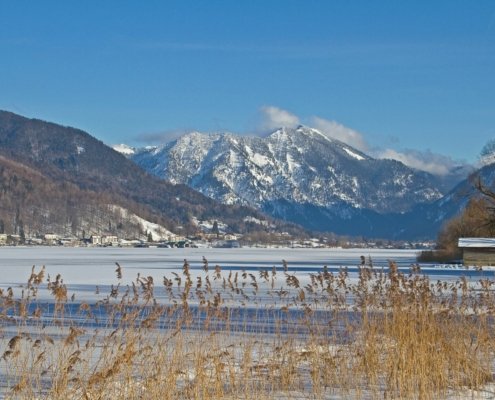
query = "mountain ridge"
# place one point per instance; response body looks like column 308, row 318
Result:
column 69, row 156
column 294, row 174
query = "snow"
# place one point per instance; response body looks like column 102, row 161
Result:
column 158, row 232
column 80, row 149
column 154, row 149
column 84, row 268
column 317, row 132
column 260, row 160
column 291, row 164
column 255, row 221
column 294, row 165
column 260, row 177
column 95, row 265
column 487, row 159
column 352, row 154
column 124, row 149
column 234, row 159
column 207, row 225
column 477, row 242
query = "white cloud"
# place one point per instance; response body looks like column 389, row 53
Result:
column 273, row 118
column 436, row 164
column 340, row 132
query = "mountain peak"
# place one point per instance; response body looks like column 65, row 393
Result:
column 291, row 173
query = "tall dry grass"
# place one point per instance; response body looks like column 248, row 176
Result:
column 214, row 334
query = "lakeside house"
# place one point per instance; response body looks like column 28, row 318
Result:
column 110, row 240
column 51, row 238
column 478, row 251
column 95, row 240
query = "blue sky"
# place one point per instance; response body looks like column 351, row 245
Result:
column 412, row 79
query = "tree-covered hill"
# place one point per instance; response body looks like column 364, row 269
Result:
column 66, row 168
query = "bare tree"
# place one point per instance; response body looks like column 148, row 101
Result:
column 489, row 195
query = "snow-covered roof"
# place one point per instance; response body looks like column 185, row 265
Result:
column 477, row 242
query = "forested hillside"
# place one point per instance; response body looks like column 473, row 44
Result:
column 55, row 176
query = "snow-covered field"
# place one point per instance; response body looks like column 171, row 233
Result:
column 96, row 265
column 85, row 269
column 82, row 269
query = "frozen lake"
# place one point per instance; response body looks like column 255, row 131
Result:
column 84, row 268
column 262, row 315
column 96, row 265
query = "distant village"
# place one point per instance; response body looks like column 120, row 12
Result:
column 222, row 240
column 52, row 239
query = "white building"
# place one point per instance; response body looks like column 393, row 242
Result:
column 51, row 238
column 110, row 240
column 95, row 239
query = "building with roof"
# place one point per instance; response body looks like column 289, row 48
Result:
column 478, row 251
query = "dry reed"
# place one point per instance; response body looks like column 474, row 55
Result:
column 206, row 334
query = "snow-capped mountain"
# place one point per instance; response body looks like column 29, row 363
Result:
column 298, row 174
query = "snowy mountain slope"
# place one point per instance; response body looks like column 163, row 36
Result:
column 72, row 170
column 290, row 174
